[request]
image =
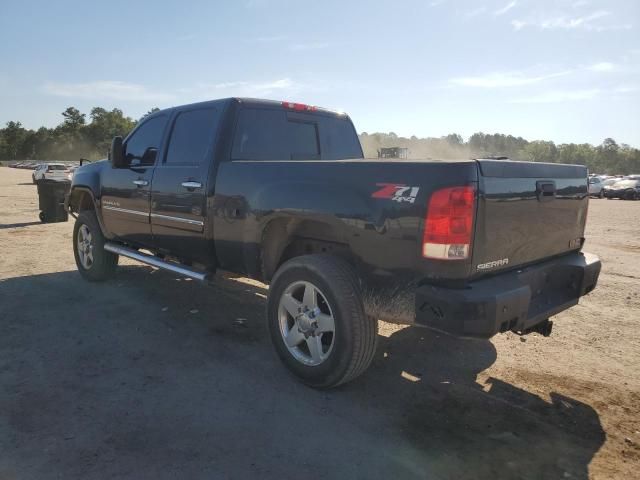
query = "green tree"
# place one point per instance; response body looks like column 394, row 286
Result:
column 13, row 136
column 73, row 118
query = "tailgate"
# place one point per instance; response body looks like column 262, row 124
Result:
column 527, row 212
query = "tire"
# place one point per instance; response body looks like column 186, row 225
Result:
column 103, row 264
column 629, row 195
column 348, row 350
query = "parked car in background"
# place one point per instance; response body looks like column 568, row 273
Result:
column 51, row 171
column 624, row 189
column 596, row 188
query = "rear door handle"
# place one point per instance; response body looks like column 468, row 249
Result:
column 141, row 183
column 545, row 190
column 191, row 184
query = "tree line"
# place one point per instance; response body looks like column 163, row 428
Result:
column 80, row 137
column 608, row 157
column 72, row 139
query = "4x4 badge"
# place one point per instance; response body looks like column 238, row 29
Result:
column 396, row 192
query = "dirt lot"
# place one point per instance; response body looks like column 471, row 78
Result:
column 153, row 376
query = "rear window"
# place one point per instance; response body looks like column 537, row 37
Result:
column 339, row 139
column 264, row 134
column 57, row 167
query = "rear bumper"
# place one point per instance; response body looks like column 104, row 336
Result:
column 515, row 300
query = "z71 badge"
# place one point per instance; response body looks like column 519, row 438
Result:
column 396, row 192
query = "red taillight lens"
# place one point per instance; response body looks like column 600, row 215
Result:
column 448, row 226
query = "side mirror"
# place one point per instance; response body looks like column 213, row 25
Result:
column 116, row 154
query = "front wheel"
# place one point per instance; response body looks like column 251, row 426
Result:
column 317, row 321
column 94, row 263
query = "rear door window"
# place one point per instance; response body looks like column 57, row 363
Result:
column 192, row 137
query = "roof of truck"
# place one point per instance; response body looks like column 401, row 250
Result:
column 289, row 105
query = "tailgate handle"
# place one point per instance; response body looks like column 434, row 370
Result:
column 546, row 190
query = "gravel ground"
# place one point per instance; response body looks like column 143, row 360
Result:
column 153, row 376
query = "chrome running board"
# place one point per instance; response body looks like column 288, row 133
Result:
column 156, row 262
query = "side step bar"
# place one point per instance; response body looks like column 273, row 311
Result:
column 156, row 262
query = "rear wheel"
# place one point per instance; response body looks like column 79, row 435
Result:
column 317, row 321
column 93, row 261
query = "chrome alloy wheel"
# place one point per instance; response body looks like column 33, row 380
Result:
column 306, row 323
column 85, row 247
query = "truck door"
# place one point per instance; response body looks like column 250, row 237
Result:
column 179, row 191
column 125, row 191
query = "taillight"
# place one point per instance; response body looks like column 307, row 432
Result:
column 448, row 225
column 300, row 107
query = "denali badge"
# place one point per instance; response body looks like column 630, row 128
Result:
column 495, row 263
column 396, row 192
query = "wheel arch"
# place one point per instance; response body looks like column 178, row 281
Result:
column 82, row 199
column 285, row 238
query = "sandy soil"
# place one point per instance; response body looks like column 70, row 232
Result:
column 153, row 376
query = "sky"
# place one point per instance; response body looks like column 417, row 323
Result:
column 561, row 70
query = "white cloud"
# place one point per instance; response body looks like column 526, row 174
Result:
column 476, row 11
column 106, row 89
column 627, row 89
column 243, row 88
column 504, row 79
column 123, row 91
column 270, row 38
column 586, row 22
column 506, row 8
column 560, row 96
column 298, row 47
column 602, row 67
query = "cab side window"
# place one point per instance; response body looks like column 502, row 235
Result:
column 192, row 137
column 141, row 148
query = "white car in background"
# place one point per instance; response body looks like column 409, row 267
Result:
column 51, row 171
column 596, row 187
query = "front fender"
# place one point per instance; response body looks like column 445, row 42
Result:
column 86, row 184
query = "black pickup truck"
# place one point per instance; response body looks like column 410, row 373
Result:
column 280, row 192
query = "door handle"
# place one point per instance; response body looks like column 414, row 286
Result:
column 141, row 183
column 545, row 190
column 191, row 184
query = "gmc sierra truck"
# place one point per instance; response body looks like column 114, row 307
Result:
column 280, row 192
